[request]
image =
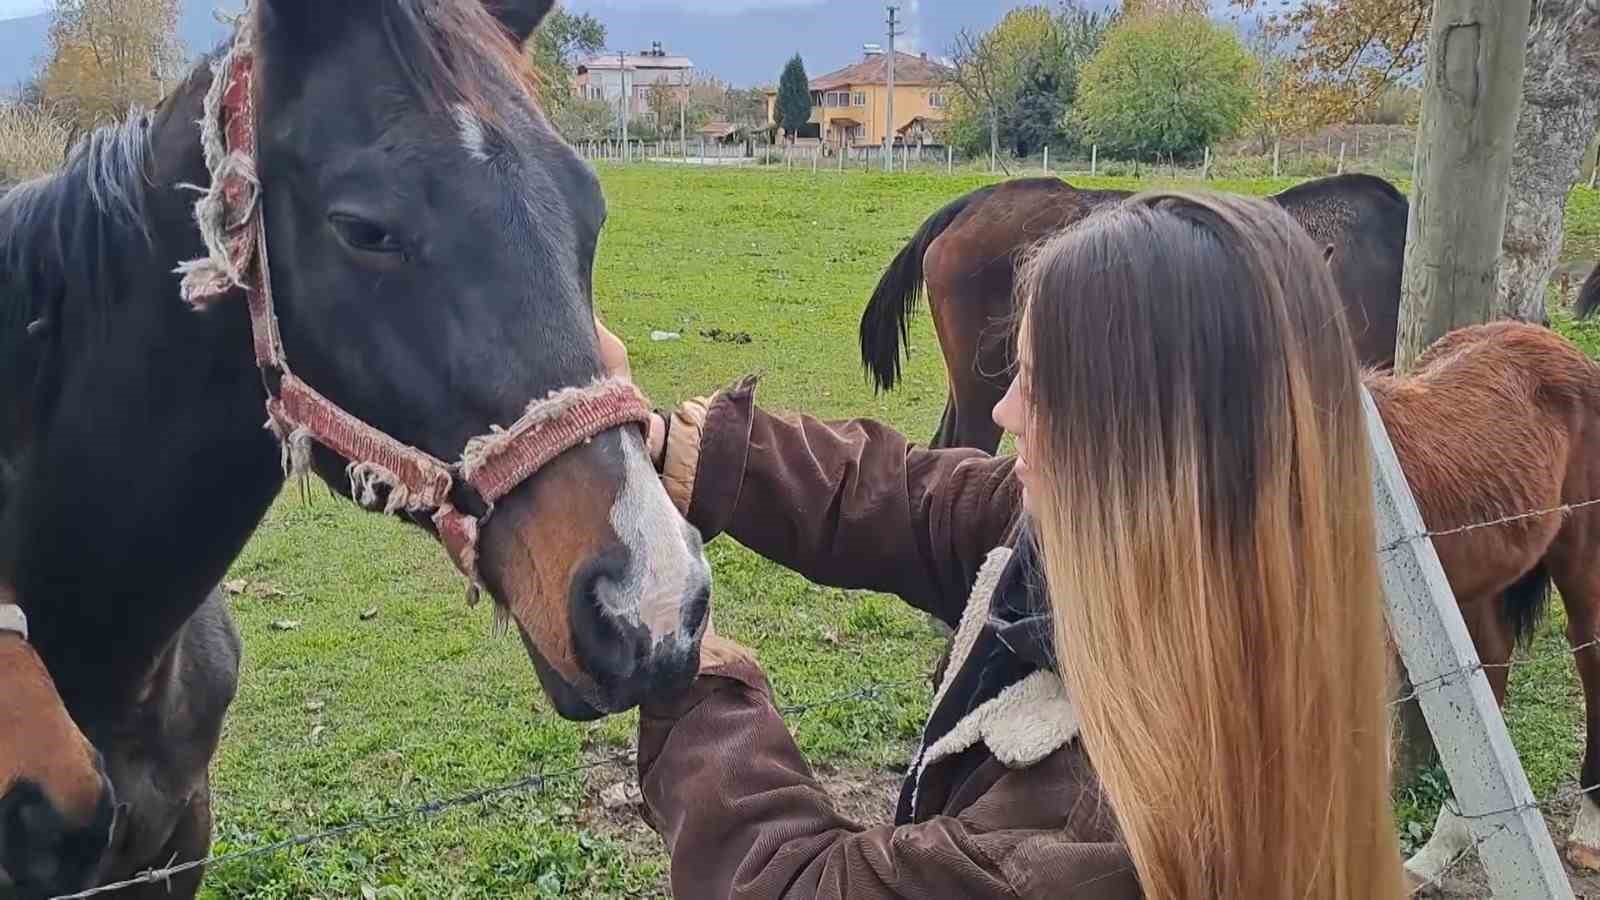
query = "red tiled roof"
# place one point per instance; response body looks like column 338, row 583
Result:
column 908, row 69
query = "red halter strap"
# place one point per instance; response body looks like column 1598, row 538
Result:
column 417, row 482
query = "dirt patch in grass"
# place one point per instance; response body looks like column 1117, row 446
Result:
column 865, row 796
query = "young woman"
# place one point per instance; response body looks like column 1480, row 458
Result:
column 1169, row 672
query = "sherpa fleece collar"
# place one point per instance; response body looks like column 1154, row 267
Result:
column 999, row 688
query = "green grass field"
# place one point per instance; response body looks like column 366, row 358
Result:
column 343, row 717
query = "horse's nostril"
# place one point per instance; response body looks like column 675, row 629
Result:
column 606, row 643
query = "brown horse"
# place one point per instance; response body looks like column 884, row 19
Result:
column 1498, row 420
column 967, row 254
column 56, row 803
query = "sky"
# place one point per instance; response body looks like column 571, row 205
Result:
column 746, row 41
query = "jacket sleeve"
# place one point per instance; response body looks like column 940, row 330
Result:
column 743, row 818
column 850, row 504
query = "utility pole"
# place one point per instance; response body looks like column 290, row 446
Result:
column 888, row 125
column 1471, row 96
column 627, row 101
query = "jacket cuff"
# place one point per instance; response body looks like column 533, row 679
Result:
column 740, row 676
column 722, row 452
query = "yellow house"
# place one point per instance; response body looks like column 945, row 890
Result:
column 850, row 107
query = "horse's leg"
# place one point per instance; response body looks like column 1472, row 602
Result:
column 945, row 437
column 1580, row 594
column 190, row 841
column 1452, row 836
column 977, row 428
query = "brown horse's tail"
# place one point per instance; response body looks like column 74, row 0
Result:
column 886, row 323
column 1525, row 602
column 1589, row 295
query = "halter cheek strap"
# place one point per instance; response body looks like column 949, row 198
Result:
column 385, row 473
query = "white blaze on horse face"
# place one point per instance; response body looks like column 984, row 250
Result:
column 645, row 521
column 472, row 133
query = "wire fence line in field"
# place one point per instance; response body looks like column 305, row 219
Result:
column 541, row 782
column 1389, row 152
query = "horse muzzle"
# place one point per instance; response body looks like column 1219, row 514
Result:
column 609, row 587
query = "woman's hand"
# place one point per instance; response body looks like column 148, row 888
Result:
column 614, row 359
column 613, row 352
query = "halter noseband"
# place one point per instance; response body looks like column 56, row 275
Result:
column 492, row 465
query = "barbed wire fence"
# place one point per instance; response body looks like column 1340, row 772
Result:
column 536, row 784
column 1404, row 543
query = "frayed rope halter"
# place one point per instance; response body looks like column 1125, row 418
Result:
column 229, row 215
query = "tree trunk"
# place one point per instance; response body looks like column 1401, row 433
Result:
column 1470, row 102
column 994, row 139
column 1560, row 111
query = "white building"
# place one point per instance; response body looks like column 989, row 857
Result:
column 611, row 76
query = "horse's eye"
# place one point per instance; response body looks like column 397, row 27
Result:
column 367, row 237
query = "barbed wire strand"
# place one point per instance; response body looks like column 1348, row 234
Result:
column 531, row 785
column 1563, row 510
column 539, row 783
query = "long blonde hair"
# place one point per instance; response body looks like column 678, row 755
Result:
column 1205, row 520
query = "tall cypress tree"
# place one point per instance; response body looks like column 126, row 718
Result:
column 794, row 97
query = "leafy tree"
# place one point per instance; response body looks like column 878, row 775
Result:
column 794, row 97
column 1350, row 50
column 1168, row 85
column 555, row 50
column 1018, row 82
column 746, row 106
column 662, row 100
column 1134, row 8
column 108, row 57
column 1279, row 89
column 582, row 119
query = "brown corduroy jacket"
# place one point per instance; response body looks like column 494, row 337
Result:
column 1001, row 801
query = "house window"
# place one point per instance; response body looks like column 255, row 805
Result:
column 859, row 98
column 642, row 91
column 937, row 100
column 836, row 98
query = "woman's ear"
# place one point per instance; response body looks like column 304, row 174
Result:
column 520, row 17
column 1327, row 255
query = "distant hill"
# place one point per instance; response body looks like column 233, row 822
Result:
column 24, row 42
column 22, row 46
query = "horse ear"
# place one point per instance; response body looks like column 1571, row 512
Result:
column 520, row 17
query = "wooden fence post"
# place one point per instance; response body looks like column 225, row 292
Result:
column 1341, row 159
column 1277, row 147
column 1205, row 169
column 1094, row 159
column 1485, row 772
column 950, row 160
column 1047, row 161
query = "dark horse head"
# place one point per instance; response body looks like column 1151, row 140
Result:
column 432, row 243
